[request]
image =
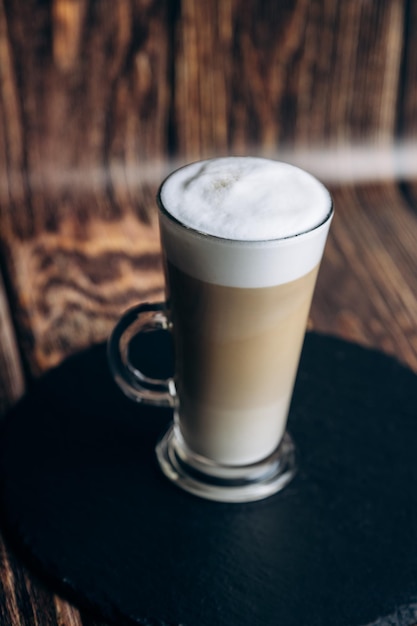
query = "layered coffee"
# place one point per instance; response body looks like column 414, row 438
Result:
column 237, row 351
column 243, row 239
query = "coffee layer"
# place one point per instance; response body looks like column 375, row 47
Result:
column 237, row 353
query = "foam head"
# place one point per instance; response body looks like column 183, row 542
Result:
column 244, row 221
column 246, row 198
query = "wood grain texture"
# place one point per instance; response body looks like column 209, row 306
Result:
column 84, row 90
column 367, row 288
column 25, row 600
column 81, row 145
column 12, row 383
column 260, row 76
column 71, row 285
column 407, row 111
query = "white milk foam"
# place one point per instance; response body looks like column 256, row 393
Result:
column 246, row 198
column 244, row 221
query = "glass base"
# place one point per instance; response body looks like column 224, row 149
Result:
column 225, row 483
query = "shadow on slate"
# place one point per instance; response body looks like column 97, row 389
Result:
column 83, row 502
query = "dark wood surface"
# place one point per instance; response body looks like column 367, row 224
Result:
column 99, row 100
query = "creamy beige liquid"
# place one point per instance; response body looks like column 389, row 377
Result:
column 237, row 352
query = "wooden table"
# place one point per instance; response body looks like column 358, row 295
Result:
column 99, row 100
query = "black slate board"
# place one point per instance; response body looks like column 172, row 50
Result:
column 84, row 503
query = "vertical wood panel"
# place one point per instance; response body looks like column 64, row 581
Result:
column 407, row 110
column 266, row 75
column 84, row 87
column 407, row 113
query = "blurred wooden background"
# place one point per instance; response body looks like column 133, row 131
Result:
column 100, row 99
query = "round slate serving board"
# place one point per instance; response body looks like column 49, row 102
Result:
column 83, row 501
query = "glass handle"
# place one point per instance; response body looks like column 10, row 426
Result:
column 134, row 383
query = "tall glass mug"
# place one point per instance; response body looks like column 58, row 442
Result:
column 242, row 239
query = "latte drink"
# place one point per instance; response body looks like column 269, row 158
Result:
column 237, row 351
column 243, row 238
